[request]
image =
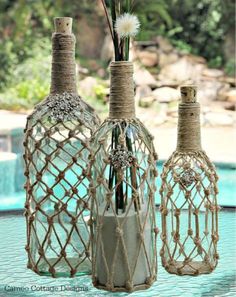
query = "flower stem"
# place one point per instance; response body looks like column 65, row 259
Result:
column 115, row 40
column 133, row 173
column 127, row 40
column 107, row 17
column 122, row 50
column 127, row 5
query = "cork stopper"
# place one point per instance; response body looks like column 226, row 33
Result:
column 188, row 94
column 63, row 25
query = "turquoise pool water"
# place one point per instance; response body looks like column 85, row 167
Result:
column 227, row 184
column 17, row 281
column 227, row 187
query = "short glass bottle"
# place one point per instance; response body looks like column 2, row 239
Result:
column 189, row 191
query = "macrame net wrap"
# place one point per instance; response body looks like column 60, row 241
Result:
column 56, row 155
column 188, row 199
column 123, row 171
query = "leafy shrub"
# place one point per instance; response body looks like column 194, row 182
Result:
column 29, row 84
column 230, row 67
column 100, row 92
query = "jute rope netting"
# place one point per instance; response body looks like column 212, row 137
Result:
column 57, row 148
column 189, row 198
column 123, row 172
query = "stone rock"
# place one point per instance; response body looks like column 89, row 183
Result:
column 101, row 72
column 142, row 91
column 213, row 73
column 159, row 120
column 87, row 86
column 219, row 118
column 151, row 48
column 231, row 95
column 229, row 106
column 146, row 101
column 148, row 59
column 143, row 77
column 166, row 59
column 82, row 70
column 197, row 59
column 208, row 91
column 172, row 110
column 222, row 92
column 167, row 83
column 164, row 44
column 229, row 80
column 90, row 35
column 183, row 70
column 93, row 65
column 107, row 49
column 166, row 94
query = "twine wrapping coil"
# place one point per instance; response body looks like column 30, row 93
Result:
column 189, row 134
column 189, row 130
column 122, row 90
column 63, row 73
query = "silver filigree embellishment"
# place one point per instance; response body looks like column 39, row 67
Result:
column 187, row 178
column 63, row 107
column 121, row 158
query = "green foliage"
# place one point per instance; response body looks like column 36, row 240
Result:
column 230, row 67
column 154, row 17
column 194, row 26
column 100, row 92
column 29, row 84
column 7, row 61
column 25, row 27
column 202, row 25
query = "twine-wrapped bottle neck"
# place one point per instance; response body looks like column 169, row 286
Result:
column 121, row 90
column 63, row 73
column 189, row 129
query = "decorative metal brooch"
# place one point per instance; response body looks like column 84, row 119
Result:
column 121, row 158
column 63, row 107
column 187, row 178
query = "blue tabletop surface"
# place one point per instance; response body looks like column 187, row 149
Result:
column 16, row 280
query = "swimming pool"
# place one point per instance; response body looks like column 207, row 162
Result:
column 17, row 281
column 15, row 199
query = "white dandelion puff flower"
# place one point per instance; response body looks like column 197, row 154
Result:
column 127, row 25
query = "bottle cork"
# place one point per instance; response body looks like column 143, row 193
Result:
column 188, row 94
column 63, row 25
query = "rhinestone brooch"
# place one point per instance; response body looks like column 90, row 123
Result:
column 121, row 158
column 63, row 107
column 187, row 178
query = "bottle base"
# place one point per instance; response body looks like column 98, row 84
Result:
column 193, row 268
column 63, row 267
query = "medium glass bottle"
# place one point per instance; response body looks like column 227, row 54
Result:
column 189, row 198
column 57, row 147
column 123, row 171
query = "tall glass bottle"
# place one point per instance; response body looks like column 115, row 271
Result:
column 189, row 198
column 123, row 171
column 56, row 155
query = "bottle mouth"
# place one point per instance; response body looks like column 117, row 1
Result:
column 121, row 63
column 63, row 25
column 188, row 93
